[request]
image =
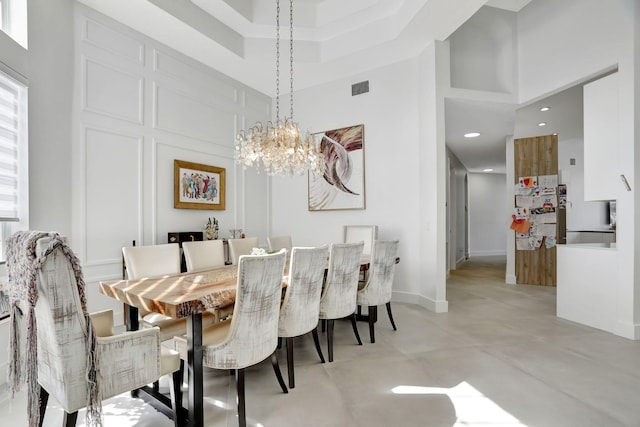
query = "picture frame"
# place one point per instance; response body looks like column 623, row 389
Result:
column 198, row 186
column 342, row 186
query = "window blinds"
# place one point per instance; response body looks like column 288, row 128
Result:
column 12, row 109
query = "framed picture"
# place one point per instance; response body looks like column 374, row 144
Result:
column 342, row 184
column 197, row 186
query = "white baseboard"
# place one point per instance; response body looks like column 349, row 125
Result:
column 428, row 303
column 510, row 279
column 488, row 253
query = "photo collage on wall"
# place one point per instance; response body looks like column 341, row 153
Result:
column 534, row 218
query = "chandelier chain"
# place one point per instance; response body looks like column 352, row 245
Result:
column 279, row 146
column 291, row 56
column 277, row 60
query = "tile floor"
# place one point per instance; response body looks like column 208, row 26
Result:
column 499, row 357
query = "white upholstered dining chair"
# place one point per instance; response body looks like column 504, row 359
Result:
column 66, row 341
column 279, row 242
column 239, row 247
column 154, row 261
column 338, row 298
column 364, row 233
column 251, row 335
column 378, row 288
column 201, row 255
column 301, row 305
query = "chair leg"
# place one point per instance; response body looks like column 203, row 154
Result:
column 70, row 419
column 391, row 316
column 330, row 338
column 292, row 382
column 176, row 394
column 316, row 341
column 276, row 369
column 355, row 327
column 373, row 313
column 43, row 397
column 242, row 415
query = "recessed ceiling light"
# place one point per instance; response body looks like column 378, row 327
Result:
column 555, row 133
column 542, row 124
column 471, row 134
column 544, row 109
column 487, row 170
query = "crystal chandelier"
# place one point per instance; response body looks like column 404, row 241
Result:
column 280, row 146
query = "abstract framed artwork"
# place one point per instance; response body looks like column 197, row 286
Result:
column 342, row 184
column 197, row 186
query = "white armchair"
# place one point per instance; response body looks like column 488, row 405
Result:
column 122, row 362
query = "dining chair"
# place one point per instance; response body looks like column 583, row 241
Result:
column 251, row 335
column 278, row 242
column 239, row 247
column 202, row 255
column 79, row 360
column 154, row 261
column 338, row 298
column 378, row 287
column 364, row 233
column 300, row 307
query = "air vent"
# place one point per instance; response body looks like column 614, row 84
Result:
column 572, row 161
column 360, row 88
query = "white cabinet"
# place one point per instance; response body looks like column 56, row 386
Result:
column 601, row 169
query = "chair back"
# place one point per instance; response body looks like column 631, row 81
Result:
column 253, row 332
column 301, row 305
column 200, row 255
column 364, row 233
column 151, row 260
column 279, row 242
column 378, row 288
column 341, row 286
column 239, row 247
column 61, row 329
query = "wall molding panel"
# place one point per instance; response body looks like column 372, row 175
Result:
column 112, row 41
column 112, row 92
column 140, row 106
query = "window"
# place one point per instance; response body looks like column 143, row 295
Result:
column 13, row 20
column 13, row 162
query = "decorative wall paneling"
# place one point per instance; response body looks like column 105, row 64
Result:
column 532, row 157
column 140, row 106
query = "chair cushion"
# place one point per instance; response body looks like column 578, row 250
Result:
column 170, row 327
column 216, row 333
column 169, row 360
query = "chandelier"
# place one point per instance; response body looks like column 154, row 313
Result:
column 280, row 146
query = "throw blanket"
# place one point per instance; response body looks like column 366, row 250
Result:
column 23, row 267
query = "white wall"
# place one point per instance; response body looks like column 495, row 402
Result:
column 562, row 43
column 139, row 106
column 487, row 223
column 390, row 113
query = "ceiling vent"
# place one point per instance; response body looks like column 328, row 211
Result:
column 360, row 88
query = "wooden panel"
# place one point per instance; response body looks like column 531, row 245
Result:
column 536, row 156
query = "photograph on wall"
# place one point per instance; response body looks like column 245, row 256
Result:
column 342, row 184
column 198, row 186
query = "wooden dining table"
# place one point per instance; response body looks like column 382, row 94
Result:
column 184, row 295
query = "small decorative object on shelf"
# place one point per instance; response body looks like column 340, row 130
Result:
column 211, row 229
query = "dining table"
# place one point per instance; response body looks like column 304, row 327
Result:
column 183, row 295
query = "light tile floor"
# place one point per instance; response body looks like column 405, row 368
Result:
column 499, row 357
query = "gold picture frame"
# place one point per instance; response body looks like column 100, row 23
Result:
column 198, row 186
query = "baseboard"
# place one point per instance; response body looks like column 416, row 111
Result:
column 422, row 301
column 628, row 330
column 510, row 279
column 488, row 253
